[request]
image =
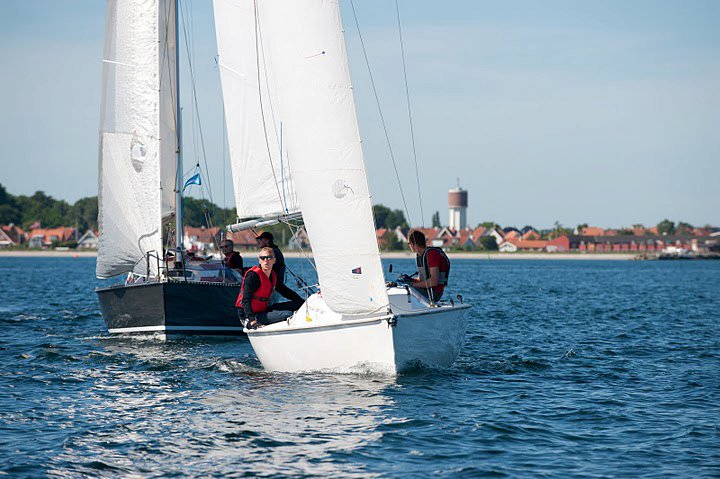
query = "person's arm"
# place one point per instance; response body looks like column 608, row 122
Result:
column 432, row 281
column 433, row 260
column 288, row 293
column 236, row 262
column 250, row 285
column 279, row 263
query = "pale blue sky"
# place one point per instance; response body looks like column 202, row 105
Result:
column 606, row 113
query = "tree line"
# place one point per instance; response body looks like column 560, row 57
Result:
column 25, row 211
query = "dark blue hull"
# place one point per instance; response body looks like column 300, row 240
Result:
column 171, row 308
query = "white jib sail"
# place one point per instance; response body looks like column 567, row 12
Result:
column 261, row 175
column 306, row 50
column 137, row 161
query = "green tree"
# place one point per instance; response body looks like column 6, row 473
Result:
column 436, row 220
column 387, row 218
column 666, row 227
column 84, row 213
column 559, row 230
column 391, row 242
column 9, row 214
column 684, row 229
column 488, row 243
column 40, row 207
column 488, row 225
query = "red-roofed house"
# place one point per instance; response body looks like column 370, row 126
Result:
column 592, row 231
column 522, row 245
column 46, row 237
column 243, row 240
column 560, row 244
column 201, row 239
column 512, row 234
column 531, row 235
column 5, row 240
column 477, row 233
column 89, row 240
column 15, row 233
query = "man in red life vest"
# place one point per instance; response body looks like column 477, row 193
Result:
column 433, row 267
column 259, row 283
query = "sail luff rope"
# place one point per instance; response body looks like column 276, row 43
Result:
column 382, row 117
column 410, row 118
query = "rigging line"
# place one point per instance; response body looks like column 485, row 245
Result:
column 278, row 136
column 224, row 157
column 260, row 97
column 195, row 102
column 382, row 117
column 302, row 250
column 412, row 130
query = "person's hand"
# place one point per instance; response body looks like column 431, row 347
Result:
column 403, row 278
column 251, row 322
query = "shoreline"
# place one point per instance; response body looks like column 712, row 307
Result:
column 389, row 255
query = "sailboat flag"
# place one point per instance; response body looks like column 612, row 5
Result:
column 193, row 180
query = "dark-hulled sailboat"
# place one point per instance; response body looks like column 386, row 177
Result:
column 140, row 186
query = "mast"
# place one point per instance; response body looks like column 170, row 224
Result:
column 178, row 129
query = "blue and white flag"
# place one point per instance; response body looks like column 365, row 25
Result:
column 193, row 180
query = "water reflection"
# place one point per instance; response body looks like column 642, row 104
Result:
column 301, row 424
column 200, row 406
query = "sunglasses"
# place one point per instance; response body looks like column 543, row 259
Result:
column 266, row 257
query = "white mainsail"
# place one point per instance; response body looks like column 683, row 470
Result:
column 262, row 177
column 305, row 49
column 137, row 157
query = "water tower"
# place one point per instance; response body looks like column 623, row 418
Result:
column 457, row 205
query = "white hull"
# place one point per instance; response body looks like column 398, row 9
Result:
column 315, row 339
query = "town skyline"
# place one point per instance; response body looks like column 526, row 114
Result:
column 557, row 112
column 25, row 210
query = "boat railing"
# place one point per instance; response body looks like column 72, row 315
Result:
column 148, row 256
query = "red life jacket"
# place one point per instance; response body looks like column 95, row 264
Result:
column 259, row 300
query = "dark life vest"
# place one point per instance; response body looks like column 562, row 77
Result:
column 424, row 267
column 261, row 297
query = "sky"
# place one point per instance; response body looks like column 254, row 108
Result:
column 605, row 113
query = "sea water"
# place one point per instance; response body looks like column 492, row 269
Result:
column 570, row 369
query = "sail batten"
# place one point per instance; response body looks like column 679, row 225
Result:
column 136, row 171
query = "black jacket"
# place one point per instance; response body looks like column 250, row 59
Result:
column 252, row 283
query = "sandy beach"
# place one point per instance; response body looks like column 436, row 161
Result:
column 391, row 255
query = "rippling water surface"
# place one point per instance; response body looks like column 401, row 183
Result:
column 570, row 368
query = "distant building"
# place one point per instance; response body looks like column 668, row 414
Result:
column 5, row 240
column 89, row 240
column 201, row 239
column 44, row 238
column 457, row 206
column 14, row 233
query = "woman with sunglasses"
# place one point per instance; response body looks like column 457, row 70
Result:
column 259, row 283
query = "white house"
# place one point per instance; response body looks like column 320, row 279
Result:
column 89, row 240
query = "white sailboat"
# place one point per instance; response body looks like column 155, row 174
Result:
column 292, row 58
column 140, row 185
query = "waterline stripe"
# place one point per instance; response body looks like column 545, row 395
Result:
column 141, row 329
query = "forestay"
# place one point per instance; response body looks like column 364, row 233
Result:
column 262, row 176
column 305, row 48
column 138, row 143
